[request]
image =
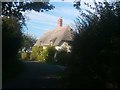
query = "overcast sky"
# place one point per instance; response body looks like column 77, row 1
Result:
column 38, row 23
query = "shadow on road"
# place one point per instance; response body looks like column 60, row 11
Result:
column 37, row 75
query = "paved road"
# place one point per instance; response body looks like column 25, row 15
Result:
column 37, row 75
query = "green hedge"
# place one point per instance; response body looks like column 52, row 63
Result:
column 25, row 56
column 62, row 57
column 38, row 53
column 43, row 55
column 50, row 54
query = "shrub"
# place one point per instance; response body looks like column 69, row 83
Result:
column 38, row 53
column 43, row 55
column 25, row 56
column 50, row 51
column 62, row 57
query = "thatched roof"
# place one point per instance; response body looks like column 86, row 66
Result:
column 58, row 35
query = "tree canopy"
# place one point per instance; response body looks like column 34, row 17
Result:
column 27, row 41
column 15, row 9
column 12, row 25
column 95, row 49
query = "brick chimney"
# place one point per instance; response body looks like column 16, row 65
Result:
column 60, row 22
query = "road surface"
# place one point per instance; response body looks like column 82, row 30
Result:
column 37, row 75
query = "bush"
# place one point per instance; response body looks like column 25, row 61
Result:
column 62, row 57
column 50, row 50
column 43, row 55
column 38, row 53
column 25, row 56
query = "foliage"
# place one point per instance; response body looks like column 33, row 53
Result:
column 37, row 53
column 27, row 41
column 25, row 55
column 13, row 20
column 11, row 42
column 62, row 57
column 15, row 9
column 12, row 23
column 95, row 49
column 11, row 36
column 41, row 54
column 50, row 54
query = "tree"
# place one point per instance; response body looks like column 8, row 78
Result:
column 11, row 42
column 15, row 9
column 95, row 49
column 12, row 23
column 27, row 41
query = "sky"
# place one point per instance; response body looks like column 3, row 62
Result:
column 40, row 22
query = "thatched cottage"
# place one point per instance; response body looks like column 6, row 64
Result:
column 60, row 37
